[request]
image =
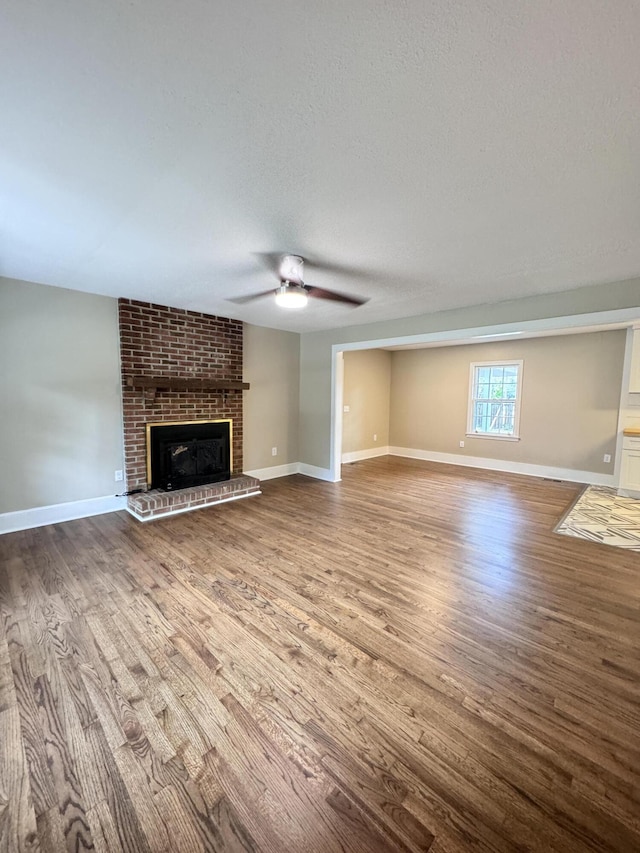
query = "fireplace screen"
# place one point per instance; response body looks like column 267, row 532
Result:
column 188, row 453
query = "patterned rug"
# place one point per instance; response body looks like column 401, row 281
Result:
column 601, row 515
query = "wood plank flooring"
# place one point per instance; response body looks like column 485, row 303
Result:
column 409, row 660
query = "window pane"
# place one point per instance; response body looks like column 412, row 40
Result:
column 494, row 397
column 501, row 418
column 494, row 418
column 507, row 417
column 483, row 417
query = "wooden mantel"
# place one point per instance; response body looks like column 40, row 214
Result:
column 153, row 384
column 186, row 383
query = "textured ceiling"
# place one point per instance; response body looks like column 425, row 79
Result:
column 436, row 154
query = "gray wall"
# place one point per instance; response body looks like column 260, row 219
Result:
column 367, row 378
column 60, row 429
column 61, row 416
column 272, row 367
column 570, row 400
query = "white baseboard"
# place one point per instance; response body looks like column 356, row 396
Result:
column 629, row 493
column 359, row 455
column 292, row 468
column 526, row 468
column 316, row 473
column 39, row 516
column 274, row 472
column 295, row 468
column 25, row 519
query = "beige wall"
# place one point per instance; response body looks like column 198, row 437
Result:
column 316, row 347
column 367, row 377
column 60, row 426
column 570, row 400
column 272, row 367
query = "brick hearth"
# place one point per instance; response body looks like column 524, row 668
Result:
column 156, row 504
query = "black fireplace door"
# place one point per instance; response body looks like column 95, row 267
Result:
column 184, row 455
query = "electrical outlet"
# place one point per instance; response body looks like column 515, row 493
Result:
column 118, row 476
column 462, row 444
column 346, row 409
column 607, row 457
column 274, row 451
column 375, row 436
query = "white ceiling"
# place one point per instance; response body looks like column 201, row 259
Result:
column 443, row 153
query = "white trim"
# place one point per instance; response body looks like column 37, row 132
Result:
column 626, row 415
column 25, row 519
column 273, row 472
column 317, row 473
column 296, row 468
column 159, row 517
column 558, row 325
column 530, row 470
column 471, row 400
column 369, row 453
column 337, row 409
column 629, row 493
column 492, row 437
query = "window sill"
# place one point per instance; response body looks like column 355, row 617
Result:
column 493, row 437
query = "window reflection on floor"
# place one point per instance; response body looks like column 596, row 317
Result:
column 491, row 523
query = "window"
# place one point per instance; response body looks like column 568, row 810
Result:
column 494, row 399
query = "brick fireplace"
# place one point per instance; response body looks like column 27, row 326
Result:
column 177, row 365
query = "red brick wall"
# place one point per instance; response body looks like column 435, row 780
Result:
column 159, row 341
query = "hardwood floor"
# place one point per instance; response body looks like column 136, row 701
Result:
column 409, row 660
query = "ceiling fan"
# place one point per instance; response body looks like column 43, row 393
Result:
column 292, row 292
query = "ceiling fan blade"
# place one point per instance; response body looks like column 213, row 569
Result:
column 240, row 300
column 320, row 293
column 271, row 260
column 347, row 270
column 287, row 266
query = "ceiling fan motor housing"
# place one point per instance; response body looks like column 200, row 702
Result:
column 291, row 269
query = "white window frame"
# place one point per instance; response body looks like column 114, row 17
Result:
column 512, row 362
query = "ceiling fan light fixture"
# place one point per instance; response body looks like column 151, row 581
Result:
column 291, row 296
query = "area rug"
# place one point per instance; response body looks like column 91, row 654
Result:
column 601, row 515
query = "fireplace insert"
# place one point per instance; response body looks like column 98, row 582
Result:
column 188, row 453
